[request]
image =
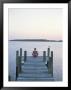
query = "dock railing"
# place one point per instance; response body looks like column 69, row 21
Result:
column 48, row 60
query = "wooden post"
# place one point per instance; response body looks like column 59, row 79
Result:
column 16, row 72
column 19, row 64
column 50, row 64
column 52, row 54
column 44, row 56
column 21, row 53
column 17, row 55
column 20, row 59
column 25, row 55
column 48, row 57
column 48, row 54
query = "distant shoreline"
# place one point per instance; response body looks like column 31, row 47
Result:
column 35, row 40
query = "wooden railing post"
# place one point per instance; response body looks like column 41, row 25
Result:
column 17, row 55
column 16, row 72
column 25, row 55
column 48, row 54
column 50, row 64
column 20, row 60
column 44, row 56
column 19, row 63
column 21, row 53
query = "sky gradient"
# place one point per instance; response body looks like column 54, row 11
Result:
column 35, row 23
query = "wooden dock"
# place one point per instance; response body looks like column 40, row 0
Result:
column 34, row 69
column 29, row 68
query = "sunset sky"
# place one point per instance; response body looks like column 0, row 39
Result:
column 35, row 23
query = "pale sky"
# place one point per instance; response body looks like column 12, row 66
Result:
column 35, row 23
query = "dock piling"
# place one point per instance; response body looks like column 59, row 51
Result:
column 17, row 55
column 16, row 72
column 48, row 54
column 21, row 53
column 20, row 59
column 25, row 55
column 50, row 64
column 44, row 56
column 18, row 62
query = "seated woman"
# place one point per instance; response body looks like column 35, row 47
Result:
column 35, row 53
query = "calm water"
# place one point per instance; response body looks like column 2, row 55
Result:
column 41, row 46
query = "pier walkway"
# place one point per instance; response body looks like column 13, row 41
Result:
column 34, row 69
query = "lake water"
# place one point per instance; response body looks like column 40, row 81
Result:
column 56, row 47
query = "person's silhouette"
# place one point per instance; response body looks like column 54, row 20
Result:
column 35, row 53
